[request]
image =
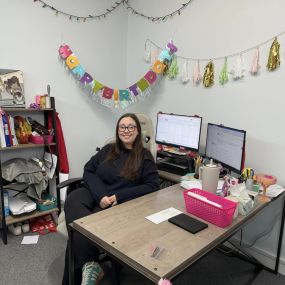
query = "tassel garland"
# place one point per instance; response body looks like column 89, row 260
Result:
column 185, row 77
column 208, row 79
column 274, row 56
column 255, row 66
column 224, row 78
column 173, row 69
column 196, row 78
column 238, row 71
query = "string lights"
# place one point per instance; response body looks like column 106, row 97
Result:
column 81, row 18
column 158, row 18
column 116, row 4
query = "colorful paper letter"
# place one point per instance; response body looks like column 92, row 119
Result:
column 133, row 89
column 97, row 86
column 86, row 78
column 158, row 67
column 78, row 70
column 142, row 84
column 150, row 76
column 107, row 92
column 72, row 61
column 64, row 51
column 124, row 95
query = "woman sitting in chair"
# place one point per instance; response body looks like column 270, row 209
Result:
column 119, row 172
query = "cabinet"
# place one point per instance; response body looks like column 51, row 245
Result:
column 14, row 151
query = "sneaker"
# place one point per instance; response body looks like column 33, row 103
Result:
column 15, row 229
column 92, row 273
column 25, row 227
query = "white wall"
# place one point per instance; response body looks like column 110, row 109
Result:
column 207, row 29
column 30, row 38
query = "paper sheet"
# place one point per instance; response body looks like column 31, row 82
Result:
column 274, row 190
column 163, row 215
column 189, row 184
column 30, row 239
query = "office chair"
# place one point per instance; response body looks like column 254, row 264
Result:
column 74, row 183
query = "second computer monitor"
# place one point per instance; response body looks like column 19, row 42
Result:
column 178, row 130
column 226, row 145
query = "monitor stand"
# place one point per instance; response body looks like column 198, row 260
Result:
column 174, row 163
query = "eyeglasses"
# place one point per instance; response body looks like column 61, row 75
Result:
column 130, row 128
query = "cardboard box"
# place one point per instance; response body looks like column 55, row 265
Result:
column 11, row 88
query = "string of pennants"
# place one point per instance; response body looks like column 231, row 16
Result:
column 237, row 71
column 115, row 97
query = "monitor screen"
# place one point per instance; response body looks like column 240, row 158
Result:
column 226, row 145
column 178, row 130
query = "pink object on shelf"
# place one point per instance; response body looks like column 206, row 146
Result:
column 41, row 139
column 219, row 216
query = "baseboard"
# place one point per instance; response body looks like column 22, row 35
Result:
column 265, row 257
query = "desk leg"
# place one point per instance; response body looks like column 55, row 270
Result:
column 280, row 239
column 71, row 256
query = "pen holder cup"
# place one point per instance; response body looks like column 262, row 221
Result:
column 219, row 216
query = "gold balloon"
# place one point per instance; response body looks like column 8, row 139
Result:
column 208, row 79
column 274, row 56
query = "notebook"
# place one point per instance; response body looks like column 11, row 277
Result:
column 188, row 223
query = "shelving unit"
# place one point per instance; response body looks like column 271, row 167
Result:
column 8, row 220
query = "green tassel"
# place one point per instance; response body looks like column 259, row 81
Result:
column 173, row 69
column 224, row 73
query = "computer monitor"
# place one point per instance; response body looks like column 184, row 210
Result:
column 178, row 130
column 226, row 145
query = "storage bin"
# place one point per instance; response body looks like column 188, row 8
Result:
column 221, row 217
column 43, row 206
column 41, row 139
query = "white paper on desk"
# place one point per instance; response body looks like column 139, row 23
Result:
column 274, row 190
column 163, row 215
column 189, row 184
column 30, row 239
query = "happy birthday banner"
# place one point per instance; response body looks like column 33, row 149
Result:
column 114, row 97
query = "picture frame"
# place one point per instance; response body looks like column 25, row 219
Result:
column 12, row 88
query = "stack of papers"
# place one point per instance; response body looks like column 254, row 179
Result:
column 189, row 184
column 274, row 190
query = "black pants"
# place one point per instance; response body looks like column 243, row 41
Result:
column 79, row 203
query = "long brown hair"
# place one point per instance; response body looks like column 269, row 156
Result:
column 134, row 160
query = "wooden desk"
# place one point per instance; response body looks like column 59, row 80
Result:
column 123, row 232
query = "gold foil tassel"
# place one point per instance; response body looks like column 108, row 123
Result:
column 208, row 79
column 274, row 56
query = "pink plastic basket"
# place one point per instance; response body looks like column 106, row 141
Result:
column 41, row 139
column 221, row 217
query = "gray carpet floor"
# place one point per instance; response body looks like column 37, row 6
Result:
column 42, row 263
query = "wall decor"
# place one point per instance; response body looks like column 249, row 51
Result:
column 237, row 71
column 115, row 97
column 116, row 4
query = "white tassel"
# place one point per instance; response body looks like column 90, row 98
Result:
column 255, row 66
column 154, row 54
column 196, row 74
column 185, row 77
column 147, row 51
column 238, row 71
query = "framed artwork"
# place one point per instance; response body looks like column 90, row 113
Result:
column 11, row 88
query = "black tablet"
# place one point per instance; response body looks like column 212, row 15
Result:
column 188, row 223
